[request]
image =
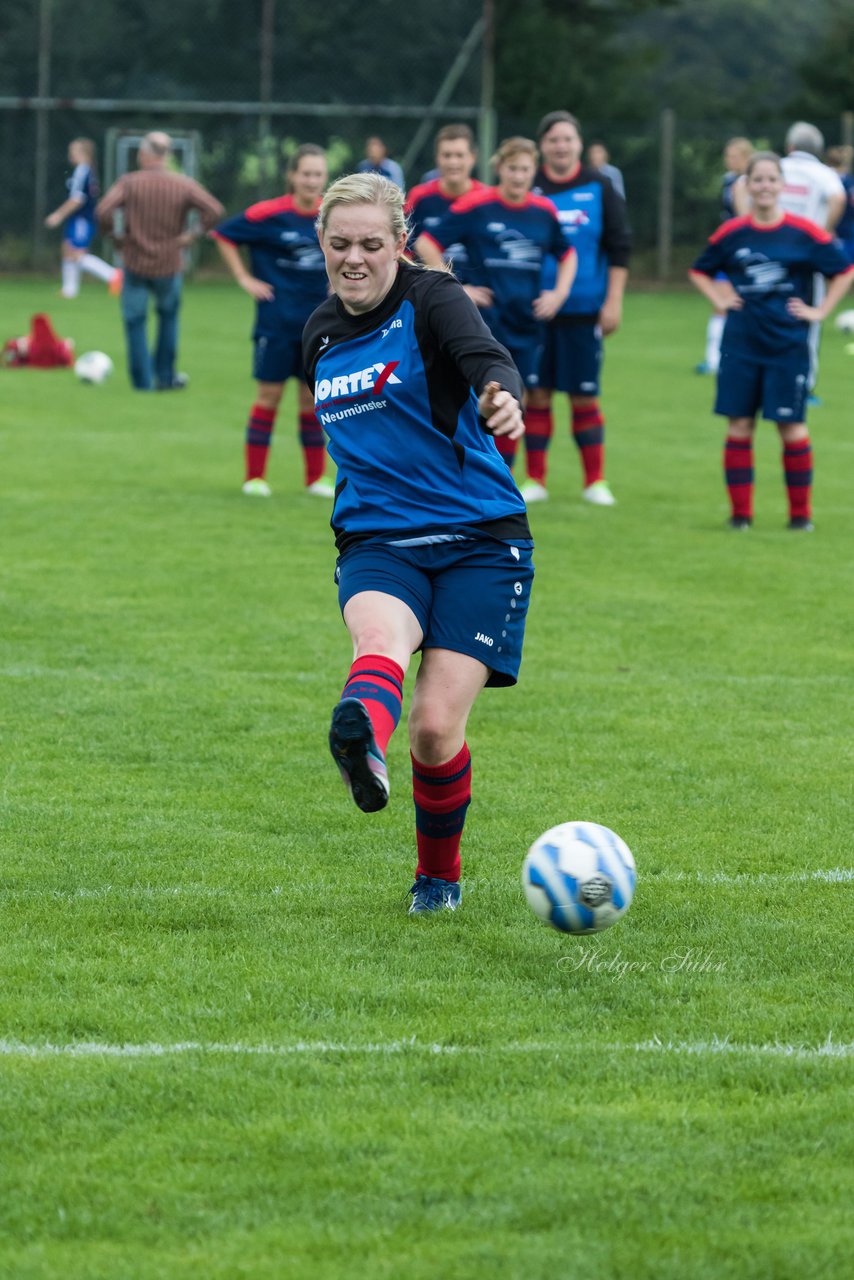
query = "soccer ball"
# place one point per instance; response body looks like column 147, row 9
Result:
column 579, row 877
column 93, row 367
column 845, row 322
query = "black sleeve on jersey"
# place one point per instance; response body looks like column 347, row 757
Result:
column 616, row 232
column 452, row 321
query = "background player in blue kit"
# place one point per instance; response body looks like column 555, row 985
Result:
column 77, row 213
column 769, row 258
column 432, row 534
column 427, row 204
column 507, row 233
column 287, row 280
column 594, row 222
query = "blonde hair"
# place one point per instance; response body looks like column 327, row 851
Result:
column 513, row 147
column 87, row 146
column 365, row 188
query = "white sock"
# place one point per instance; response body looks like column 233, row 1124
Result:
column 97, row 267
column 70, row 277
column 714, row 333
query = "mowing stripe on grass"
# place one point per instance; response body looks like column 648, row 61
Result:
column 829, row 1048
column 827, row 875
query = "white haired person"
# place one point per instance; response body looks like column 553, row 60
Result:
column 434, row 549
column 156, row 203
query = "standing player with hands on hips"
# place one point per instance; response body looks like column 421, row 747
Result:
column 434, row 549
column 769, row 258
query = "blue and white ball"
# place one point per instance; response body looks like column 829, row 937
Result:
column 579, row 877
column 845, row 322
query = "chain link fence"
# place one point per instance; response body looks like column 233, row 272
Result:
column 268, row 82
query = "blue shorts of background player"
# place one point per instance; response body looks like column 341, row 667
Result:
column 525, row 348
column 749, row 383
column 572, row 358
column 78, row 232
column 276, row 359
column 470, row 593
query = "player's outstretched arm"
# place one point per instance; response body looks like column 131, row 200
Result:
column 64, row 211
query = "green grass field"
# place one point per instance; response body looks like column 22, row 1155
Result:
column 225, row 1050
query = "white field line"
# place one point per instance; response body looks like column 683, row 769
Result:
column 827, row 875
column 829, row 1048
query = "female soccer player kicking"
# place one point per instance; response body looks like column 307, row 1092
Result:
column 433, row 540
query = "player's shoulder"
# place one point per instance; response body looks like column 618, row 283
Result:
column 320, row 324
column 730, row 227
column 422, row 192
column 536, row 200
column 475, row 199
column 274, row 208
column 809, row 228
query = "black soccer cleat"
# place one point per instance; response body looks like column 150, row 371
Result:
column 359, row 759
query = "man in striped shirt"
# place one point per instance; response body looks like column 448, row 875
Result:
column 155, row 203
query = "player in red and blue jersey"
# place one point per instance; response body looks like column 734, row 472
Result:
column 594, row 222
column 508, row 233
column 76, row 216
column 769, row 259
column 435, row 552
column 427, row 204
column 287, row 280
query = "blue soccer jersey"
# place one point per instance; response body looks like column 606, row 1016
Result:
column 83, row 184
column 768, row 265
column 284, row 252
column 393, row 390
column 507, row 246
column 594, row 223
column 426, row 206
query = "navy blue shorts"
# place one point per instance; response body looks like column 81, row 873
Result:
column 572, row 358
column 525, row 348
column 277, row 359
column 748, row 383
column 470, row 596
column 78, row 232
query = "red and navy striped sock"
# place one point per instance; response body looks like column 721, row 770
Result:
column 539, row 425
column 442, row 794
column 738, row 473
column 797, row 469
column 313, row 447
column 588, row 432
column 378, row 682
column 258, row 433
column 507, row 449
